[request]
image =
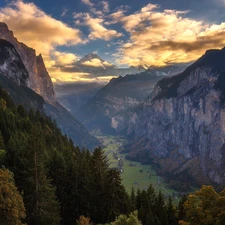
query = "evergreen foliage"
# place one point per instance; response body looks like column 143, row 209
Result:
column 64, row 185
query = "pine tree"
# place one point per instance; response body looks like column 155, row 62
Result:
column 113, row 195
column 161, row 209
column 100, row 166
column 171, row 213
column 132, row 200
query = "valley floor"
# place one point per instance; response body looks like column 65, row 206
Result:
column 133, row 174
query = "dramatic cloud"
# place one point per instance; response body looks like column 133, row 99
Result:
column 150, row 36
column 37, row 29
column 161, row 37
column 97, row 30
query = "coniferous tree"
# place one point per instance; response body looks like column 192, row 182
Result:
column 161, row 209
column 100, row 166
column 171, row 213
column 113, row 196
column 132, row 200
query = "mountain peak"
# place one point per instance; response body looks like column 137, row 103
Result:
column 3, row 26
column 92, row 60
column 91, row 56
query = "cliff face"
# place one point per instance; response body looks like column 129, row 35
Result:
column 118, row 95
column 11, row 65
column 39, row 79
column 24, row 76
column 182, row 123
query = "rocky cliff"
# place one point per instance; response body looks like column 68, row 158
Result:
column 181, row 125
column 11, row 65
column 39, row 79
column 24, row 76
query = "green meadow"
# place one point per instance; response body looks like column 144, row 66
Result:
column 133, row 174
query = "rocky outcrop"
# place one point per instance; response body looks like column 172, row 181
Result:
column 183, row 122
column 39, row 79
column 11, row 65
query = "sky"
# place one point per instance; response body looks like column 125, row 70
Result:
column 124, row 32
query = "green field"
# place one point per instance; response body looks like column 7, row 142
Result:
column 133, row 174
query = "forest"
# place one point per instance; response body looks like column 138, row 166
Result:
column 46, row 180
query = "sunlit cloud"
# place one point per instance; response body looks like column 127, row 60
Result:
column 96, row 63
column 97, row 29
column 64, row 58
column 60, row 76
column 150, row 36
column 37, row 29
column 162, row 37
column 88, row 2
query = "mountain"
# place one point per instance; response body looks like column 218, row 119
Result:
column 21, row 70
column 93, row 59
column 180, row 126
column 118, row 95
column 14, row 78
column 39, row 79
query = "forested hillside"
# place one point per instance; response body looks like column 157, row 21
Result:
column 62, row 184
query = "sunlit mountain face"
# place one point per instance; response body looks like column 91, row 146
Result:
column 117, row 34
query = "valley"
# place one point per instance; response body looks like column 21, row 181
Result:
column 117, row 119
column 133, row 174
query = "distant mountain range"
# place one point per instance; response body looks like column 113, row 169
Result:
column 117, row 96
column 24, row 76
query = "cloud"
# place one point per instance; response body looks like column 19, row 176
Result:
column 37, row 29
column 64, row 12
column 105, row 6
column 159, row 37
column 63, row 58
column 96, row 63
column 97, row 12
column 97, row 30
column 87, row 2
column 60, row 76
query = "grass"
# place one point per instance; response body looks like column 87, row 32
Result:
column 134, row 174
